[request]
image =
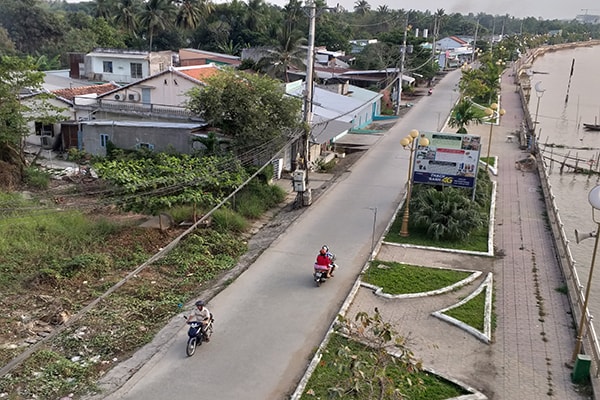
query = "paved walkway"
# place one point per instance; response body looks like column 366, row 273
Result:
column 534, row 334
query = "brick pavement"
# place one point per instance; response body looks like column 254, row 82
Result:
column 534, row 334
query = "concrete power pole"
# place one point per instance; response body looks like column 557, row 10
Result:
column 401, row 74
column 308, row 99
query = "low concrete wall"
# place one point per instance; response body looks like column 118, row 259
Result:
column 590, row 343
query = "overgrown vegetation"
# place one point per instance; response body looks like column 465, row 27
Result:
column 52, row 265
column 358, row 364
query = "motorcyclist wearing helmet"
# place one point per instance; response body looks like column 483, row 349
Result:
column 202, row 315
column 325, row 261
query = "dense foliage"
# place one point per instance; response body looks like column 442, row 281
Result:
column 249, row 108
column 450, row 214
column 161, row 181
column 16, row 75
column 50, row 29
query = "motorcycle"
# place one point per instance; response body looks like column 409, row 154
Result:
column 196, row 336
column 430, row 92
column 320, row 274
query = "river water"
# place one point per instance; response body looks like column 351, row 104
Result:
column 560, row 122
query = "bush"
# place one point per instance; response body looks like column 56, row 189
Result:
column 37, row 178
column 446, row 214
column 226, row 219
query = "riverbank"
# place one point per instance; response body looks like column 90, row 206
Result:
column 522, row 78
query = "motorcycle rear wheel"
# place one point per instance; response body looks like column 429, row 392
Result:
column 191, row 346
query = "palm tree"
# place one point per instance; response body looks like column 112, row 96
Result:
column 383, row 9
column 362, row 7
column 156, row 16
column 104, row 9
column 191, row 13
column 126, row 15
column 288, row 53
column 255, row 11
column 463, row 114
column 293, row 14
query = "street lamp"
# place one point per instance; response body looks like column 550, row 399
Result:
column 492, row 112
column 539, row 92
column 594, row 199
column 409, row 142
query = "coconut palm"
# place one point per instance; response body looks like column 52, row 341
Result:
column 126, row 15
column 191, row 13
column 103, row 9
column 288, row 53
column 464, row 113
column 157, row 15
column 362, row 7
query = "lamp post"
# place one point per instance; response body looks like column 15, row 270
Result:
column 409, row 142
column 492, row 112
column 539, row 92
column 594, row 199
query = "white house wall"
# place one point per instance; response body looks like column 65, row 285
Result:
column 121, row 68
column 166, row 89
column 66, row 114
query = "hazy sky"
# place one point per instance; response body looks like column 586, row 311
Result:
column 546, row 9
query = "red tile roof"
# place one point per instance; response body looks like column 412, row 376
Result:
column 200, row 72
column 70, row 93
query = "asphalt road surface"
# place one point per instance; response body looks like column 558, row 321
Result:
column 271, row 319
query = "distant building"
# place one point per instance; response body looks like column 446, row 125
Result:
column 123, row 66
column 588, row 19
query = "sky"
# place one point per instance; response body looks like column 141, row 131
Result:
column 545, row 9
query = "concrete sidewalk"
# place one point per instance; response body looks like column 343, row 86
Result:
column 534, row 334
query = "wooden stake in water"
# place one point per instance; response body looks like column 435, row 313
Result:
column 570, row 76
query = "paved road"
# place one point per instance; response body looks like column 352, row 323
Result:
column 270, row 319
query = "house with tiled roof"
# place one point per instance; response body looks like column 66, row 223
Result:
column 148, row 113
column 49, row 135
column 160, row 97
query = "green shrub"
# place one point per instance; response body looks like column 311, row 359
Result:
column 37, row 178
column 226, row 219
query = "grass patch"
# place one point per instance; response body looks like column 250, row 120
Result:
column 330, row 375
column 492, row 161
column 472, row 312
column 398, row 278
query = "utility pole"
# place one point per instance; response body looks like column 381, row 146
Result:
column 301, row 175
column 401, row 74
column 475, row 42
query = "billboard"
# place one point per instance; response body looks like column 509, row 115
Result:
column 450, row 159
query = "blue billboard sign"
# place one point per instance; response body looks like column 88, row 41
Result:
column 450, row 159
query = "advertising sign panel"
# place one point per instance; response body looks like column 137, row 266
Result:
column 450, row 159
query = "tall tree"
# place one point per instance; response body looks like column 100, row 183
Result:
column 250, row 108
column 104, row 9
column 156, row 16
column 362, row 7
column 16, row 74
column 126, row 16
column 288, row 52
column 189, row 14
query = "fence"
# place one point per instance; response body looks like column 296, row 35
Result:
column 567, row 264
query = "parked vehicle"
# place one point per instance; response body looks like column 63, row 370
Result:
column 196, row 336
